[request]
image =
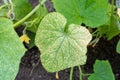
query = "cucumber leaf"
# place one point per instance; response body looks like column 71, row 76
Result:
column 93, row 13
column 11, row 50
column 102, row 71
column 60, row 49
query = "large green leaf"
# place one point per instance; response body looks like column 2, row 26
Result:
column 91, row 12
column 11, row 50
column 102, row 71
column 21, row 8
column 60, row 49
column 118, row 47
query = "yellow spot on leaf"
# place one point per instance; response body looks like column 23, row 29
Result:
column 25, row 38
column 57, row 76
column 118, row 12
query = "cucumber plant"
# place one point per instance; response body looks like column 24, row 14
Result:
column 59, row 35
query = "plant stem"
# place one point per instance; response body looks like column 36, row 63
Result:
column 86, row 74
column 112, row 10
column 80, row 72
column 26, row 17
column 42, row 2
column 71, row 73
column 3, row 6
column 11, row 11
column 66, row 28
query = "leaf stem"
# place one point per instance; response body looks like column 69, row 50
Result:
column 80, row 72
column 26, row 17
column 66, row 28
column 86, row 74
column 71, row 73
column 112, row 9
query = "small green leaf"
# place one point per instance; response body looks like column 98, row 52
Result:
column 21, row 8
column 102, row 71
column 60, row 49
column 11, row 50
column 110, row 30
column 93, row 13
column 118, row 47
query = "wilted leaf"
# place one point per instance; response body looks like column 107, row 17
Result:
column 60, row 49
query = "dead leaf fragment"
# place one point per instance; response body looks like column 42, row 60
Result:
column 57, row 76
column 118, row 12
column 25, row 38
